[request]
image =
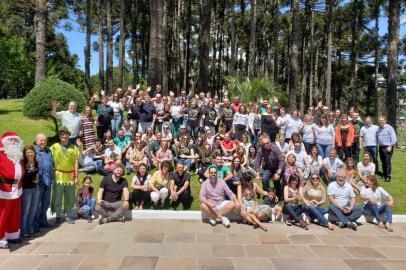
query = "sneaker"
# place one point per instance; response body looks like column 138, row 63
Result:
column 15, row 241
column 303, row 224
column 102, row 220
column 201, row 180
column 122, row 219
column 225, row 221
column 212, row 221
column 70, row 220
column 5, row 246
column 341, row 225
column 352, row 225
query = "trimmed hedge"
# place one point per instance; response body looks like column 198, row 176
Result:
column 38, row 103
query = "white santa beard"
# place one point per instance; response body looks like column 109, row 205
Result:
column 13, row 151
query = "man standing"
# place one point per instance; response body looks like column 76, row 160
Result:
column 180, row 187
column 46, row 178
column 212, row 199
column 367, row 139
column 273, row 164
column 71, row 119
column 11, row 173
column 357, row 125
column 342, row 202
column 386, row 142
column 65, row 156
column 112, row 189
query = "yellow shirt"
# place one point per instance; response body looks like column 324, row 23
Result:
column 157, row 180
column 65, row 160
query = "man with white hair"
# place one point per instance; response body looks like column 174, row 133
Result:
column 11, row 173
column 71, row 119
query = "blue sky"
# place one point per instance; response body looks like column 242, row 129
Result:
column 76, row 41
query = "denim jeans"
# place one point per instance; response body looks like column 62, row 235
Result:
column 44, row 199
column 88, row 208
column 377, row 211
column 323, row 149
column 295, row 211
column 96, row 164
column 373, row 150
column 184, row 161
column 355, row 214
column 193, row 131
column 29, row 208
column 115, row 124
column 317, row 213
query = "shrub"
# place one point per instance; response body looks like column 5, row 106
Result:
column 37, row 104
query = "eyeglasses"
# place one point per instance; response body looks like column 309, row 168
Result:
column 213, row 172
column 315, row 178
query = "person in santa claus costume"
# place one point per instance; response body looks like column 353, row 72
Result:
column 11, row 173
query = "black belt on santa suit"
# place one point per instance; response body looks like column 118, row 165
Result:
column 9, row 181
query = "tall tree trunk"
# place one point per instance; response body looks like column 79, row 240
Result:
column 155, row 63
column 233, row 51
column 100, row 45
column 134, row 58
column 251, row 65
column 187, row 49
column 275, row 24
column 121, row 44
column 204, row 44
column 376, row 56
column 163, row 55
column 355, row 25
column 311, row 56
column 294, row 54
column 330, row 20
column 40, row 21
column 305, row 55
column 109, row 76
column 393, row 39
column 87, row 49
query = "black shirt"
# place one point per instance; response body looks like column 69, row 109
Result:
column 227, row 115
column 194, row 116
column 180, row 180
column 210, row 116
column 113, row 191
column 30, row 178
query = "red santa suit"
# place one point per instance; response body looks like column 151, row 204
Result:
column 11, row 173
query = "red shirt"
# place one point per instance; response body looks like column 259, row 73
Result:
column 228, row 145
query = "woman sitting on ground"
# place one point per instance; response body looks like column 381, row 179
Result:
column 292, row 202
column 351, row 172
column 163, row 154
column 140, row 185
column 373, row 194
column 314, row 196
column 159, row 184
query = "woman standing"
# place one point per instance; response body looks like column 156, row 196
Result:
column 344, row 138
column 140, row 185
column 269, row 124
column 30, row 194
column 324, row 136
column 87, row 129
column 314, row 196
column 118, row 109
column 240, row 122
column 373, row 194
column 254, row 123
column 308, row 133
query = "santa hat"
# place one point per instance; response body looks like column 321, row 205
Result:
column 8, row 135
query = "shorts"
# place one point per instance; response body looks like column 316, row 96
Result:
column 221, row 205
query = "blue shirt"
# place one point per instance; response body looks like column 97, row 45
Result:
column 45, row 165
column 386, row 135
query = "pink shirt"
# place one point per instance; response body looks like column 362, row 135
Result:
column 215, row 192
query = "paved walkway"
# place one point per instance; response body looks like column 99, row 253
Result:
column 188, row 244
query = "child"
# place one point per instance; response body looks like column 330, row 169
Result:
column 291, row 168
column 249, row 207
column 275, row 208
column 84, row 201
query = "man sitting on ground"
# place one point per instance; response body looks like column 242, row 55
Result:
column 212, row 198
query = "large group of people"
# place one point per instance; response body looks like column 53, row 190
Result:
column 256, row 159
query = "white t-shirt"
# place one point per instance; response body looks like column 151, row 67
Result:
column 300, row 158
column 282, row 121
column 115, row 105
column 308, row 133
column 366, row 170
column 342, row 194
column 292, row 127
column 284, row 149
column 368, row 135
column 325, row 134
column 136, row 181
column 334, row 164
column 108, row 151
column 378, row 195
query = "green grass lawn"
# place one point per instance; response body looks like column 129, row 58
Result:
column 11, row 119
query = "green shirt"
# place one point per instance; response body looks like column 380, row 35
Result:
column 121, row 142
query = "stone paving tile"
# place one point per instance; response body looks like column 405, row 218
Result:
column 219, row 228
column 329, row 251
column 273, row 239
column 141, row 263
column 394, row 264
column 60, row 262
column 142, row 249
column 115, row 236
column 228, row 251
column 243, row 239
column 195, row 250
column 22, row 262
column 363, row 252
column 336, row 240
column 218, row 238
column 56, row 248
column 149, row 237
column 309, row 264
column 208, row 263
column 363, row 240
column 176, row 263
column 252, row 263
column 294, row 251
column 180, row 238
column 396, row 253
column 3, row 258
column 304, row 239
column 363, row 264
column 100, row 262
column 90, row 248
column 261, row 251
column 26, row 248
column 391, row 241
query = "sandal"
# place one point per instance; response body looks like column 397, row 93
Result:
column 388, row 227
column 330, row 226
column 263, row 228
column 381, row 225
